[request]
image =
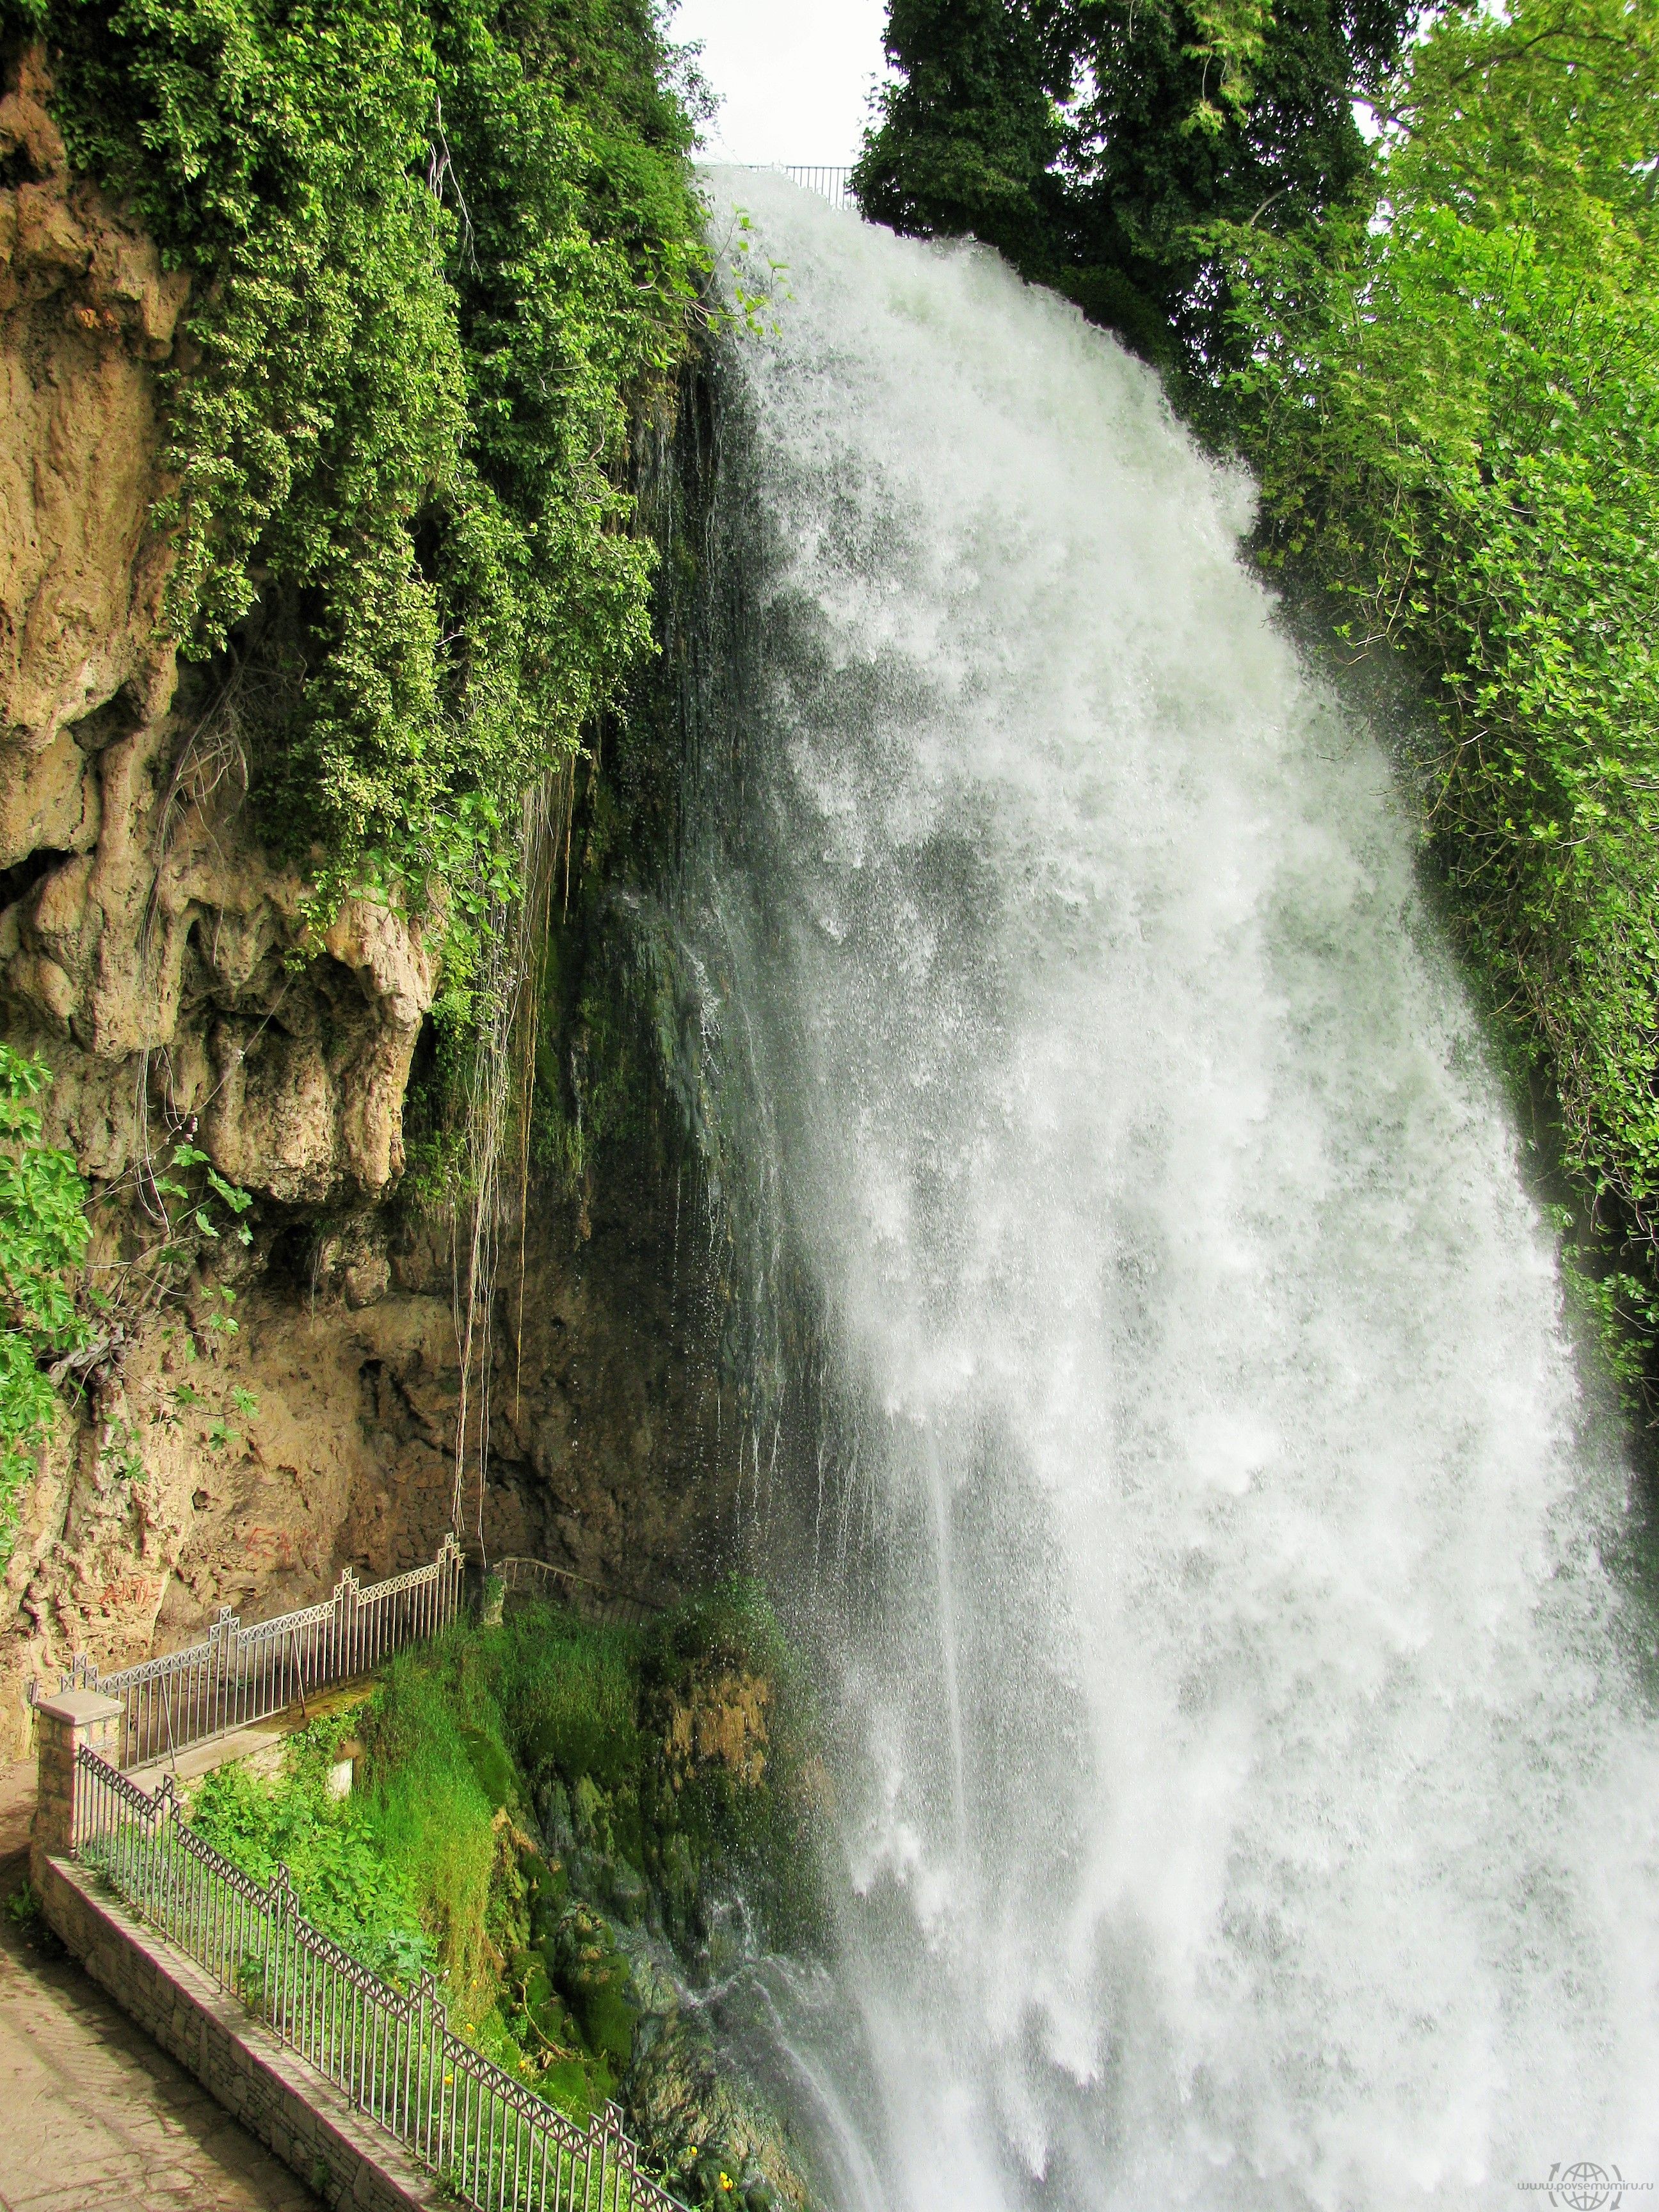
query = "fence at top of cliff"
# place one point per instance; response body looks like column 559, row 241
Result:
column 494, row 2143
column 832, row 184
column 242, row 1675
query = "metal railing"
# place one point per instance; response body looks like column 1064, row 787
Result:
column 494, row 2142
column 540, row 1577
column 834, row 184
column 241, row 1675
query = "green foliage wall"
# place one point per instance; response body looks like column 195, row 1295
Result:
column 1454, row 408
column 521, row 1824
column 442, row 253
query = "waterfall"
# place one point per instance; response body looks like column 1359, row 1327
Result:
column 1245, row 1780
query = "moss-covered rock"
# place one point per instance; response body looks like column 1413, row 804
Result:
column 618, row 1800
column 695, row 2111
column 574, row 1821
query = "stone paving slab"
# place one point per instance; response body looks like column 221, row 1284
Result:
column 94, row 2117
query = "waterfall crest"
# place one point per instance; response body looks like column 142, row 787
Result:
column 1247, row 1790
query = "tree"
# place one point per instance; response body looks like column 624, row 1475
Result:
column 969, row 142
column 1197, row 110
column 1091, row 140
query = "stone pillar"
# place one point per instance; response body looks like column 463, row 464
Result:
column 62, row 1725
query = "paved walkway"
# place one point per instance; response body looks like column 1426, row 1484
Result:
column 93, row 2116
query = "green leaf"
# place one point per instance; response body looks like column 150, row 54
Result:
column 234, row 1197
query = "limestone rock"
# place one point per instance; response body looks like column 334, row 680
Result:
column 140, row 925
column 159, row 959
column 85, row 309
column 723, row 1723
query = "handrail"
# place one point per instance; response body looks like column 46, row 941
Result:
column 496, row 2143
column 241, row 1675
column 831, row 183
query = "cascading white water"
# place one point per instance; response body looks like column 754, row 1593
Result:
column 1249, row 1796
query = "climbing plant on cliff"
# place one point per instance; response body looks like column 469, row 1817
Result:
column 442, row 252
column 43, row 1241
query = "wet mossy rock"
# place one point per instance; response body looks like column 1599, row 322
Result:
column 653, row 1818
column 638, row 1796
column 735, row 1781
column 721, row 1722
column 709, row 2128
column 491, row 1767
column 593, row 1974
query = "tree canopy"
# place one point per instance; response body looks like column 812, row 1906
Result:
column 1092, row 140
column 969, row 139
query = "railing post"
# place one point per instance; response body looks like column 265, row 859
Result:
column 62, row 1724
column 345, row 1618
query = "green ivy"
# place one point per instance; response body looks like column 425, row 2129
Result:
column 441, row 252
column 43, row 1241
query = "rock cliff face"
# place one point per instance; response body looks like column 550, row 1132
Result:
column 87, row 311
column 149, row 950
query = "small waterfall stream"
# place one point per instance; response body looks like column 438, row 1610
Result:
column 1247, row 1794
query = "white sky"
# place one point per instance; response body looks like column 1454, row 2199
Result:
column 794, row 76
